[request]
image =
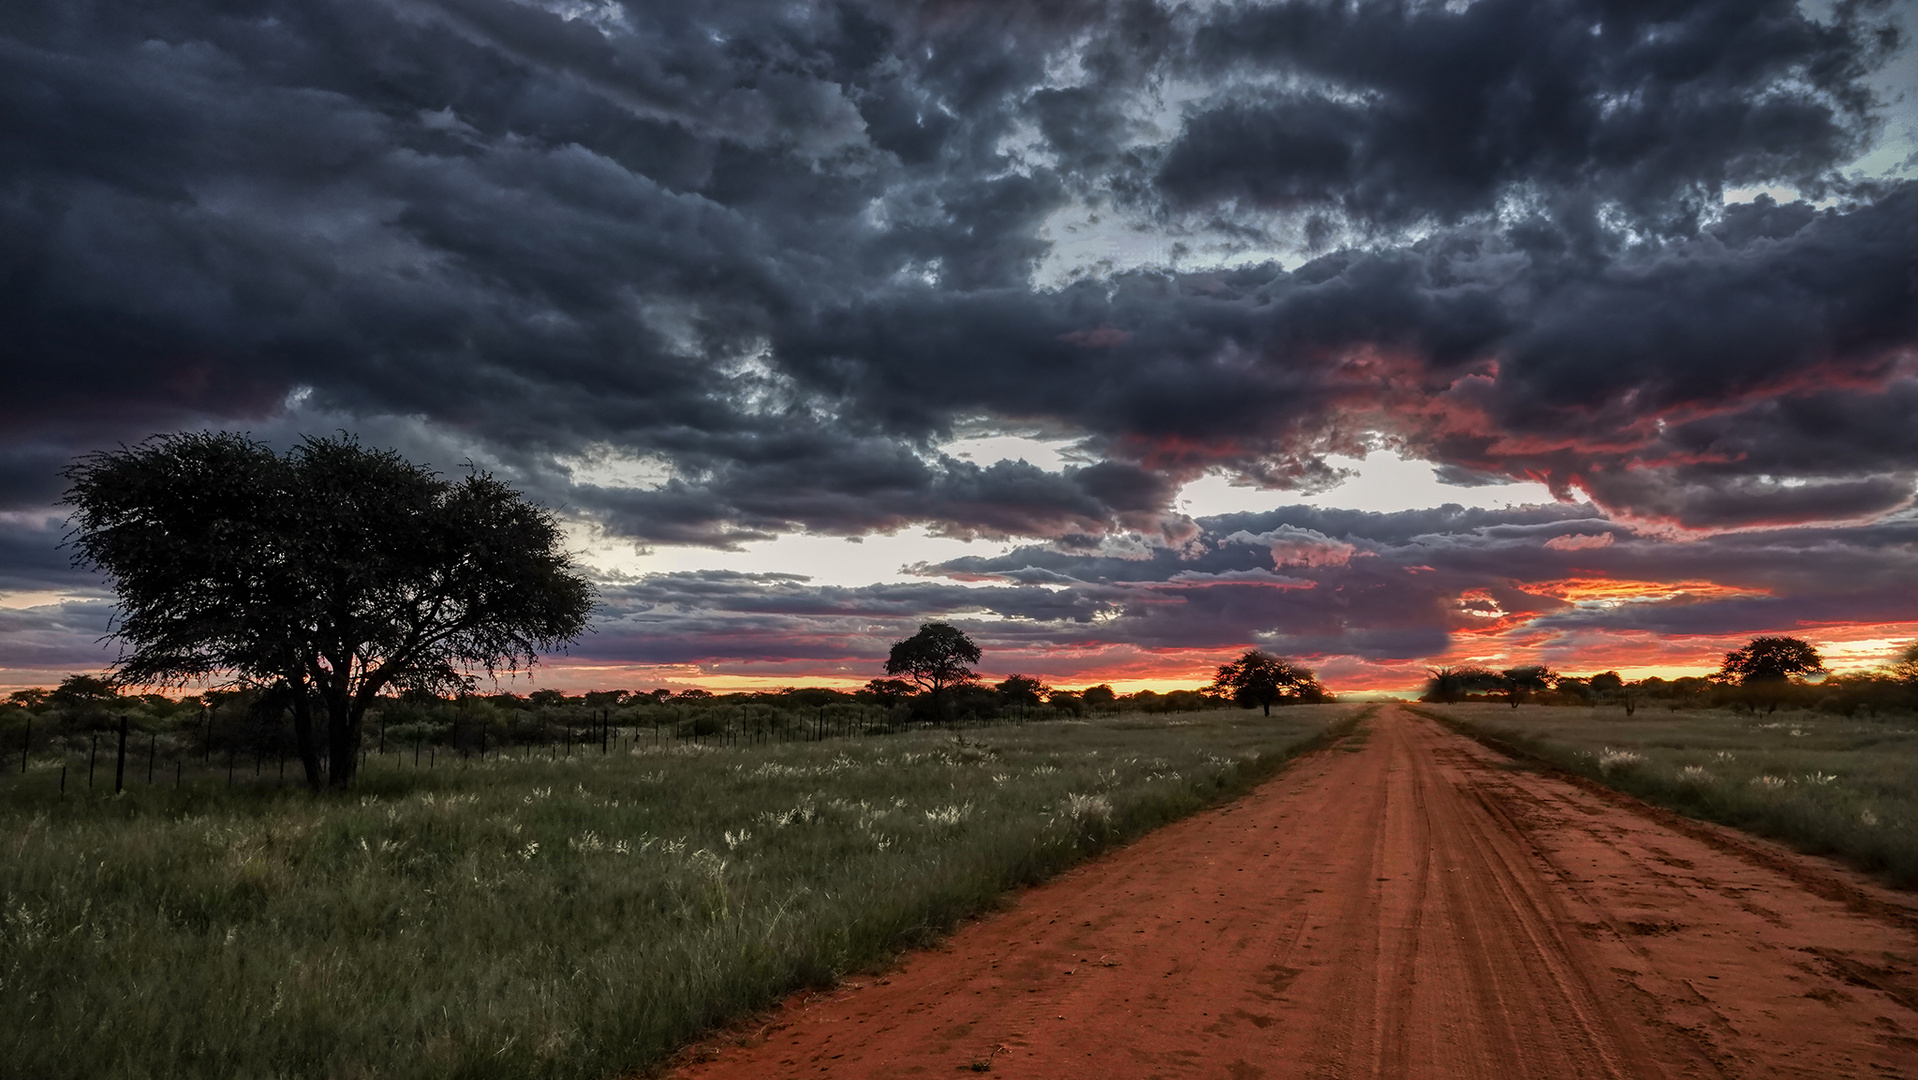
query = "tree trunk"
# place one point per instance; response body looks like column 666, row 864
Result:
column 303, row 736
column 343, row 741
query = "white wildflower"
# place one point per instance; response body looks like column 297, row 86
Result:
column 1609, row 759
column 1088, row 808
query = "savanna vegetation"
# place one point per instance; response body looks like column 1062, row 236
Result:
column 1771, row 743
column 1767, row 674
column 577, row 912
column 1829, row 784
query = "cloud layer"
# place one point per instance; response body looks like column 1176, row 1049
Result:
column 780, row 256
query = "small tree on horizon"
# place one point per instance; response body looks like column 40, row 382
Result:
column 1448, row 684
column 325, row 575
column 1260, row 678
column 1905, row 669
column 1764, row 668
column 1526, row 679
column 1022, row 690
column 937, row 658
column 890, row 692
column 1771, row 660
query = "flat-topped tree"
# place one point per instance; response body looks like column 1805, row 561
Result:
column 326, row 574
column 1771, row 660
column 938, row 658
column 1259, row 678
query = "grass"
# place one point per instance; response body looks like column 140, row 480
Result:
column 574, row 918
column 1825, row 784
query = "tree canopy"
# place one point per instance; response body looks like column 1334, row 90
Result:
column 1905, row 670
column 1771, row 660
column 1022, row 690
column 1526, row 678
column 938, row 658
column 1445, row 684
column 328, row 573
column 1259, row 678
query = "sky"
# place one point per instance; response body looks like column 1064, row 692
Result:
column 1125, row 336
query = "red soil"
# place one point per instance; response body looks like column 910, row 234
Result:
column 1415, row 907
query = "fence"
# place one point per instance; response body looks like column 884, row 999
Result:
column 206, row 750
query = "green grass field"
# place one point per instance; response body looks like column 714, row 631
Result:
column 1826, row 784
column 578, row 918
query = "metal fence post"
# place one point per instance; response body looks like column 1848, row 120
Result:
column 120, row 766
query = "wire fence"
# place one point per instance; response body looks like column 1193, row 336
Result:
column 113, row 752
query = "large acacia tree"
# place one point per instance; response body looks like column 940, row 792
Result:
column 938, row 658
column 325, row 575
column 1771, row 660
column 1259, row 678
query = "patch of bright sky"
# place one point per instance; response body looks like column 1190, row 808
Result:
column 21, row 601
column 825, row 560
column 1381, row 483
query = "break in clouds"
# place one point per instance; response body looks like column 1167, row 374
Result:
column 708, row 274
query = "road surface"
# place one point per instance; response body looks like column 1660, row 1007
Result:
column 1408, row 904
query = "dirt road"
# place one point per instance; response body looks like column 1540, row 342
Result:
column 1407, row 905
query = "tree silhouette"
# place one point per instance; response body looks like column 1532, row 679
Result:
column 327, row 574
column 1771, row 660
column 1259, row 678
column 1905, row 670
column 1524, row 680
column 1021, row 690
column 889, row 692
column 937, row 658
column 1446, row 684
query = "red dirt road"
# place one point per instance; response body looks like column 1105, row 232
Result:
column 1412, row 906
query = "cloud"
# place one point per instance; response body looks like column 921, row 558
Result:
column 1579, row 541
column 1293, row 546
column 783, row 255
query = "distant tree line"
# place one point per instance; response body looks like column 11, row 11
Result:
column 1767, row 673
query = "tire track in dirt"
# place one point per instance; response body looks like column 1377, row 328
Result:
column 1406, row 904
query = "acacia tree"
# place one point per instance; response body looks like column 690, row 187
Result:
column 1259, row 678
column 938, row 658
column 1022, row 690
column 323, row 575
column 1765, row 666
column 1522, row 681
column 1449, row 684
column 1905, row 670
column 1771, row 660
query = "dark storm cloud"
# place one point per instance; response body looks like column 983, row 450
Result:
column 1392, row 112
column 786, row 252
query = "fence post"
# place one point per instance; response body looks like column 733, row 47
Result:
column 26, row 743
column 93, row 755
column 120, row 766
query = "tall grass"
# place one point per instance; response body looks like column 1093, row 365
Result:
column 576, row 918
column 1823, row 783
